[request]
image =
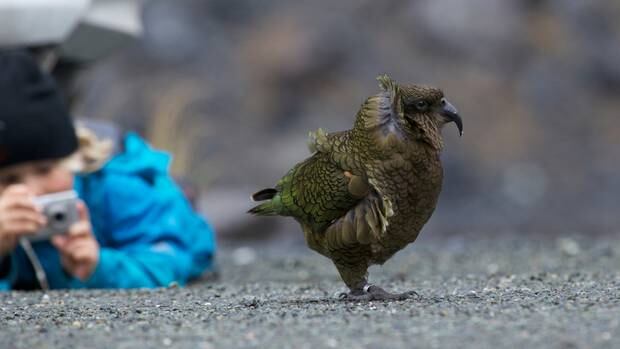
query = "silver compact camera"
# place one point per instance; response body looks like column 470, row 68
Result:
column 60, row 209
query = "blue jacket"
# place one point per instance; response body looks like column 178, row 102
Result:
column 148, row 233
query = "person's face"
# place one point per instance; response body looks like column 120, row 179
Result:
column 41, row 177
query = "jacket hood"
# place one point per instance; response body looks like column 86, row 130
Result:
column 139, row 158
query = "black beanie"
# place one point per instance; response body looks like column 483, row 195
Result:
column 34, row 121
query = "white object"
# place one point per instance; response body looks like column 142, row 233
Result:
column 83, row 29
column 38, row 22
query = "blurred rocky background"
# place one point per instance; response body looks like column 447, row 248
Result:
column 233, row 87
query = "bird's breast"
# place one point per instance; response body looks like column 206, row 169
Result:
column 412, row 183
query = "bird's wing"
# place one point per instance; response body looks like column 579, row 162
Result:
column 366, row 221
column 317, row 191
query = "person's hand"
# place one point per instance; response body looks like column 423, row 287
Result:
column 19, row 216
column 79, row 250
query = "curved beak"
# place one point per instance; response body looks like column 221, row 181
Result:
column 449, row 112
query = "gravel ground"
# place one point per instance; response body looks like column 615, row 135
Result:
column 474, row 293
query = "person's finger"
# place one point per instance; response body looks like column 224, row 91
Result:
column 59, row 241
column 77, row 256
column 24, row 214
column 17, row 190
column 21, row 228
column 83, row 211
column 73, row 247
column 68, row 257
column 22, row 222
column 84, row 271
column 67, row 246
column 68, row 264
column 81, row 272
column 85, row 259
column 83, row 254
column 21, row 202
column 79, row 229
column 83, row 226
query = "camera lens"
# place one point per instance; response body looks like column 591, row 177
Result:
column 59, row 216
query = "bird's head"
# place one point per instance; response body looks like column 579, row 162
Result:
column 424, row 110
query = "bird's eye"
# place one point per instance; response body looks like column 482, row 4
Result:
column 421, row 105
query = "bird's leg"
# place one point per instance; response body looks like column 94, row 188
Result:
column 353, row 269
column 375, row 293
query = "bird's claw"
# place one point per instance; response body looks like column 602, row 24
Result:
column 372, row 292
column 412, row 293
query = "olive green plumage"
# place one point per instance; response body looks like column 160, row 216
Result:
column 314, row 192
column 365, row 193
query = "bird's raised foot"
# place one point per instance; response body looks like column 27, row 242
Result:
column 376, row 293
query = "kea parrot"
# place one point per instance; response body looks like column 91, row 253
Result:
column 365, row 193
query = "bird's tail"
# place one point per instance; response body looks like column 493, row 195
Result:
column 269, row 208
column 265, row 194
